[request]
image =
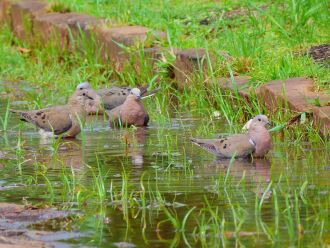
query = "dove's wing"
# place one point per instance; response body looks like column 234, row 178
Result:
column 239, row 145
column 54, row 119
column 114, row 96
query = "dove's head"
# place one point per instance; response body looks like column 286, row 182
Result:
column 135, row 93
column 259, row 135
column 259, row 120
column 93, row 102
column 82, row 96
column 83, row 86
column 87, row 99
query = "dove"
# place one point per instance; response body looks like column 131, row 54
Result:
column 131, row 112
column 94, row 106
column 115, row 96
column 256, row 142
column 60, row 120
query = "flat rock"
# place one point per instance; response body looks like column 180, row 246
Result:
column 16, row 220
column 189, row 63
column 321, row 117
column 6, row 208
column 295, row 93
column 112, row 41
column 27, row 238
column 241, row 84
column 82, row 28
column 13, row 216
column 22, row 14
column 56, row 27
column 51, row 236
column 6, row 242
column 5, row 12
column 147, row 58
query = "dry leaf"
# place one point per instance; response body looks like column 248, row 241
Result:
column 24, row 50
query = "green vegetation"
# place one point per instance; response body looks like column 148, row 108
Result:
column 264, row 38
column 151, row 187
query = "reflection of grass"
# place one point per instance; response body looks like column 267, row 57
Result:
column 5, row 118
column 169, row 194
column 229, row 211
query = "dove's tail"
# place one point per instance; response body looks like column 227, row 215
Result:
column 15, row 111
column 205, row 144
column 22, row 115
column 146, row 93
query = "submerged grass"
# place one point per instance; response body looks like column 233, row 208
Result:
column 174, row 197
column 287, row 210
column 4, row 119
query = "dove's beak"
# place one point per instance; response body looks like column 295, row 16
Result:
column 91, row 98
column 92, row 95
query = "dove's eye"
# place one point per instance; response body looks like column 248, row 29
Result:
column 84, row 94
column 259, row 119
column 81, row 88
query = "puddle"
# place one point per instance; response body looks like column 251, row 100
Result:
column 18, row 216
column 133, row 187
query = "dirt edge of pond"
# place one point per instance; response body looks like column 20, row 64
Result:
column 16, row 226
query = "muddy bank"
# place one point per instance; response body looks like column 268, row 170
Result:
column 17, row 222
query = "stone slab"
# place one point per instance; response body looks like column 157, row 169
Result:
column 13, row 216
column 5, row 12
column 147, row 58
column 22, row 14
column 321, row 118
column 115, row 41
column 9, row 242
column 56, row 27
column 188, row 64
column 241, row 84
column 295, row 93
column 82, row 28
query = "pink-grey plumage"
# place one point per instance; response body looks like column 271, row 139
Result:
column 95, row 105
column 116, row 96
column 256, row 142
column 60, row 120
column 131, row 112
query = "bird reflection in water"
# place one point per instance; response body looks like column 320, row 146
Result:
column 68, row 153
column 256, row 170
column 135, row 140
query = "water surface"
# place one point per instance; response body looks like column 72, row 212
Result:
column 128, row 184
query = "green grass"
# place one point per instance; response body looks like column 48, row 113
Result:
column 262, row 37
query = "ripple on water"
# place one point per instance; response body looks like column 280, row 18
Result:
column 175, row 175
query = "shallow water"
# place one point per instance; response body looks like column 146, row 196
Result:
column 154, row 174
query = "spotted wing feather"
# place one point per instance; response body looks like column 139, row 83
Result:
column 239, row 145
column 114, row 97
column 54, row 119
